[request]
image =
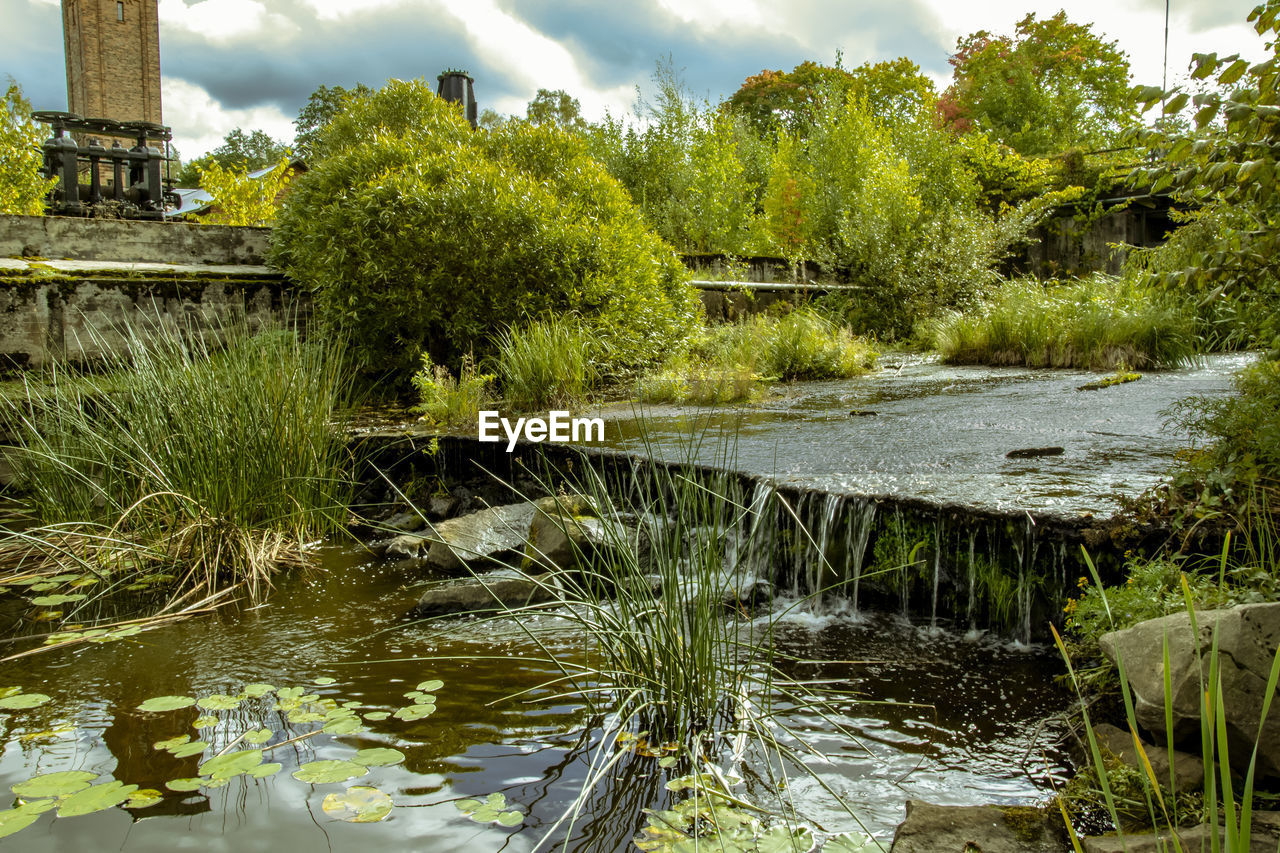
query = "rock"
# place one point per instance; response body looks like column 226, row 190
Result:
column 966, row 829
column 863, row 413
column 483, row 539
column 487, row 593
column 1188, row 768
column 1034, row 452
column 563, row 528
column 1248, row 637
column 1264, row 838
column 745, row 594
column 406, row 521
column 440, row 507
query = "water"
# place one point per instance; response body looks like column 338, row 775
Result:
column 934, row 717
column 940, row 433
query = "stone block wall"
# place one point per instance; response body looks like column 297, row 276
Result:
column 130, row 241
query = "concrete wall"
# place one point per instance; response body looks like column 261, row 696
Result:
column 130, row 241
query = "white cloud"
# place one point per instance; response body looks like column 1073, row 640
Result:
column 200, row 123
column 223, row 20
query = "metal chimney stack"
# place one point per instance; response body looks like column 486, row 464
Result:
column 456, row 87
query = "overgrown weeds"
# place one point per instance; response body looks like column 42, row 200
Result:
column 548, row 364
column 1100, row 323
column 202, row 460
column 449, row 402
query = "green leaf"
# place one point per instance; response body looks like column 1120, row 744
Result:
column 219, row 702
column 343, row 726
column 144, row 798
column 231, row 764
column 1233, row 73
column 431, row 686
column 258, row 690
column 258, row 736
column 171, row 743
column 14, row 820
column 325, row 681
column 206, row 721
column 1176, row 103
column 410, row 713
column 510, row 819
column 188, row 784
column 289, row 692
column 262, row 771
column 96, row 799
column 23, row 701
column 158, row 704
column 299, row 715
column 379, row 756
column 328, row 772
column 60, row 784
column 187, row 749
column 358, row 804
column 377, row 716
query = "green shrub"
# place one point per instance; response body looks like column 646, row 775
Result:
column 416, row 233
column 805, row 345
column 1100, row 323
column 449, row 402
column 547, row 364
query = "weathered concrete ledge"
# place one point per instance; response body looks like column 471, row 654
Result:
column 130, row 240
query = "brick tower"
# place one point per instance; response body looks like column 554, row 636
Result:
column 113, row 59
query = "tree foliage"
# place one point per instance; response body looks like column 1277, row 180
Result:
column 558, row 108
column 417, row 233
column 1053, row 85
column 239, row 199
column 239, row 151
column 321, row 106
column 22, row 187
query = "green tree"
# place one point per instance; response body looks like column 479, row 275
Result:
column 239, row 150
column 1052, row 86
column 321, row 106
column 558, row 108
column 417, row 233
column 241, row 200
column 22, row 187
column 776, row 100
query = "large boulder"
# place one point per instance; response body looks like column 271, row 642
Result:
column 992, row 829
column 564, row 530
column 1264, row 838
column 487, row 593
column 1188, row 769
column 1247, row 638
column 458, row 546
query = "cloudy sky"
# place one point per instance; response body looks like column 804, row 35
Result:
column 252, row 63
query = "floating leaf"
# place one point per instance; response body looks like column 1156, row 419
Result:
column 410, row 713
column 55, row 600
column 325, row 681
column 85, row 581
column 308, row 698
column 217, row 783
column 43, row 586
column 13, row 820
column 377, row 716
column 258, row 736
column 23, row 701
column 351, row 705
column 219, row 702
column 425, row 699
column 9, row 691
column 264, row 770
column 231, row 764
column 327, row 772
column 298, row 715
column 257, row 690
column 188, row 749
column 60, row 784
column 669, row 761
column 157, row 704
column 358, row 804
column 413, row 694
column 850, row 842
column 144, row 798
column 47, row 733
column 48, row 616
column 171, row 743
column 96, row 799
column 190, row 784
column 343, row 726
column 493, row 809
column 205, row 721
column 431, row 686
column 289, row 692
column 378, row 756
column 512, row 818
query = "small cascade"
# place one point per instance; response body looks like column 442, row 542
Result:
column 937, row 570
column 973, row 578
column 1024, row 548
column 862, row 519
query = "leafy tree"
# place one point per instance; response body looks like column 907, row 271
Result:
column 558, row 108
column 1054, row 85
column 787, row 101
column 1225, row 169
column 241, row 200
column 239, row 150
column 417, row 233
column 896, row 87
column 22, row 187
column 321, row 106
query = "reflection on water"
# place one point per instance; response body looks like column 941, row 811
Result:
column 934, row 716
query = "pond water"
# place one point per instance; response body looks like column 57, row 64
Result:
column 920, row 429
column 937, row 716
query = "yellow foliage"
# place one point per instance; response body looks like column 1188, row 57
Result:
column 239, row 199
column 22, row 187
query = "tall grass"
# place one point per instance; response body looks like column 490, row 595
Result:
column 446, row 401
column 1100, row 323
column 547, row 364
column 213, row 455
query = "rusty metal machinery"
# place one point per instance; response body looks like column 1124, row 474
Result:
column 135, row 186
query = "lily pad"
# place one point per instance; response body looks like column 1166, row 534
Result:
column 343, row 726
column 23, row 701
column 262, row 771
column 431, row 686
column 59, row 598
column 61, row 784
column 328, row 772
column 157, row 704
column 379, row 756
column 171, row 743
column 850, row 842
column 231, row 764
column 299, row 715
column 409, row 713
column 377, row 716
column 204, row 721
column 144, row 798
column 258, row 690
column 219, row 702
column 325, row 681
column 189, row 784
column 13, row 820
column 358, row 804
column 95, row 799
column 289, row 692
column 258, row 736
column 188, row 749
column 492, row 809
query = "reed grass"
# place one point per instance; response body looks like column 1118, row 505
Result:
column 449, row 402
column 1100, row 323
column 548, row 364
column 210, row 456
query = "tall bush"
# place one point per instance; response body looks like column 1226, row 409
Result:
column 417, row 233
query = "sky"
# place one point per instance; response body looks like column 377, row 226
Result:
column 252, row 63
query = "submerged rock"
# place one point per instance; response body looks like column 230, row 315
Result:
column 1248, row 637
column 486, row 593
column 992, row 829
column 1034, row 452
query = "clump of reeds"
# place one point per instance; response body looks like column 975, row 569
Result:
column 1099, row 323
column 208, row 457
column 446, row 401
column 548, row 364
